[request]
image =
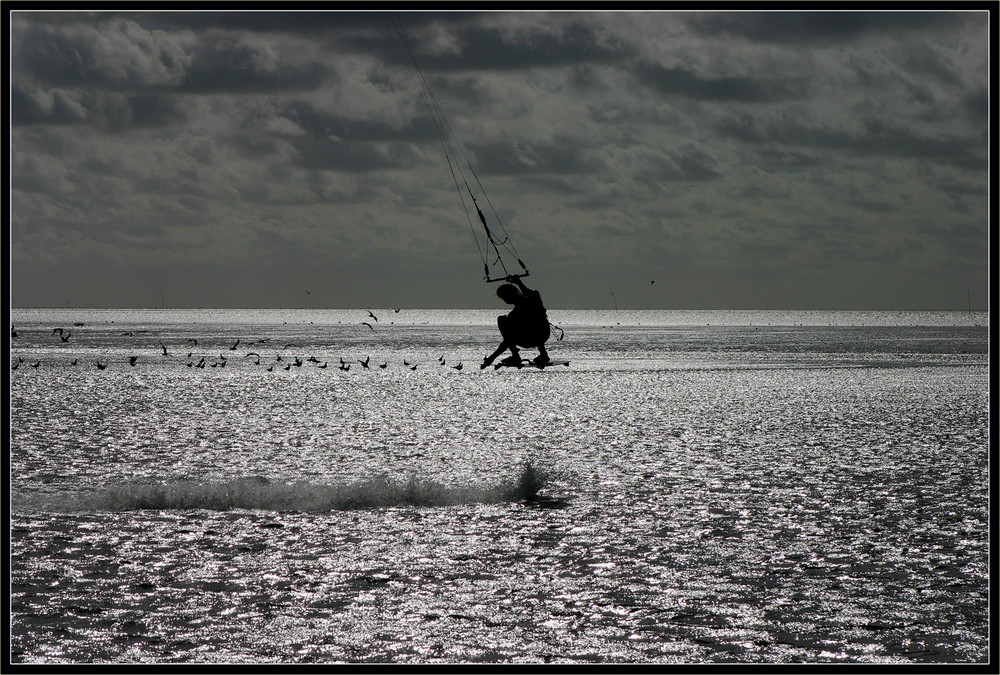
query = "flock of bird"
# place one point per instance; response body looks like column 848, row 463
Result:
column 201, row 361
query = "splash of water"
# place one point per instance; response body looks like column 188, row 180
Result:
column 261, row 493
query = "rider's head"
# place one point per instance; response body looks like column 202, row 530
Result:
column 509, row 293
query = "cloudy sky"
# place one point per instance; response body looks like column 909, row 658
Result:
column 736, row 159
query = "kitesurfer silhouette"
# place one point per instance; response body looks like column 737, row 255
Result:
column 527, row 325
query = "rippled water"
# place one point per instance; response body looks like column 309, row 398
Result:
column 694, row 487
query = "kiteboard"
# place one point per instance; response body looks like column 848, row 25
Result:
column 528, row 363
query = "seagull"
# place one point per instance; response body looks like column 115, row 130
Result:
column 322, row 366
column 345, row 367
column 57, row 330
column 36, row 364
column 364, row 363
column 100, row 366
column 192, row 340
column 78, row 323
column 127, row 334
column 73, row 362
column 298, row 362
column 396, row 310
column 65, row 338
column 132, row 360
column 235, row 344
column 372, row 315
column 365, row 323
column 383, row 366
column 164, row 348
column 308, row 292
column 441, row 359
column 252, row 354
column 458, row 367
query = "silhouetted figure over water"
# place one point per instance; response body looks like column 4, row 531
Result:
column 527, row 325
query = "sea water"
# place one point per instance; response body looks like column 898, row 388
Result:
column 236, row 486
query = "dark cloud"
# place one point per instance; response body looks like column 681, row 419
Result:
column 686, row 83
column 221, row 64
column 819, row 28
column 116, row 54
column 331, row 155
column 876, row 138
column 512, row 158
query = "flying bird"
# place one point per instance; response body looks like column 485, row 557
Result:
column 164, row 348
column 132, row 360
column 365, row 323
column 372, row 315
column 458, row 367
column 235, row 345
column 364, row 363
column 57, row 330
column 100, row 366
column 65, row 338
column 384, row 365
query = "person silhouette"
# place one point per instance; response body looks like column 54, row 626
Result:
column 527, row 325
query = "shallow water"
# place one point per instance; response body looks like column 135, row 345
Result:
column 714, row 487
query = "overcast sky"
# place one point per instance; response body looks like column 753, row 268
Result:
column 736, row 159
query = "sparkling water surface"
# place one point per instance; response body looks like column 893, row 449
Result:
column 756, row 487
